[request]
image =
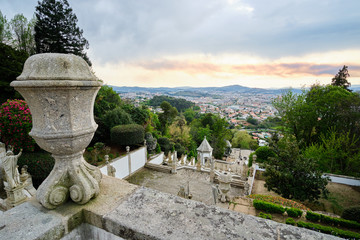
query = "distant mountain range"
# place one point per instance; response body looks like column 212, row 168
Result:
column 205, row 91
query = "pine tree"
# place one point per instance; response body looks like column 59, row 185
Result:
column 340, row 79
column 56, row 29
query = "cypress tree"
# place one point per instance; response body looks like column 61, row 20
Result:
column 56, row 29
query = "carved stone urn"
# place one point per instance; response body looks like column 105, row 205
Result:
column 60, row 90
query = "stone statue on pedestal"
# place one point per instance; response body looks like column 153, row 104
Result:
column 12, row 176
column 26, row 181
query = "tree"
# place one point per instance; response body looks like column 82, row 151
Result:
column 56, row 29
column 11, row 65
column 292, row 175
column 243, row 140
column 5, row 32
column 263, row 154
column 340, row 79
column 167, row 116
column 106, row 99
column 23, row 33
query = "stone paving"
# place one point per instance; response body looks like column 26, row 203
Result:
column 199, row 184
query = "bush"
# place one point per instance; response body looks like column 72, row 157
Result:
column 39, row 165
column 265, row 215
column 294, row 212
column 329, row 230
column 290, row 221
column 250, row 159
column 15, row 125
column 116, row 117
column 314, row 217
column 268, row 207
column 352, row 213
column 129, row 134
column 165, row 144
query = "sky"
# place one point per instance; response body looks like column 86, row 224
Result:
column 201, row 43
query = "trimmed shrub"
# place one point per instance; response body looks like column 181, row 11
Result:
column 129, row 134
column 352, row 213
column 294, row 212
column 116, row 117
column 265, row 215
column 314, row 217
column 329, row 230
column 268, row 207
column 15, row 125
column 290, row 221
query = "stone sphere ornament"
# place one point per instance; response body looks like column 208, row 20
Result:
column 60, row 90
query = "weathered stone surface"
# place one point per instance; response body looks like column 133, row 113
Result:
column 29, row 222
column 60, row 91
column 86, row 232
column 149, row 214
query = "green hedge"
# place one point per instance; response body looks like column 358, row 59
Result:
column 129, row 134
column 294, row 212
column 265, row 215
column 315, row 217
column 268, row 207
column 352, row 213
column 290, row 221
column 329, row 230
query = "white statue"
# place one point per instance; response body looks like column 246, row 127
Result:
column 110, row 169
column 10, row 166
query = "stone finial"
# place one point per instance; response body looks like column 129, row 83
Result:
column 60, row 90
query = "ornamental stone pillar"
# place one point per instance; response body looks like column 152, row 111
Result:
column 60, row 90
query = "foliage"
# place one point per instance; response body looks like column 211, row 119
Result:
column 290, row 221
column 250, row 162
column 11, row 65
column 15, row 125
column 329, row 230
column 56, row 29
column 167, row 116
column 190, row 115
column 294, row 212
column 39, row 165
column 129, row 134
column 165, row 144
column 352, row 213
column 265, row 215
column 279, row 200
column 292, row 175
column 5, row 32
column 116, row 117
column 340, row 78
column 263, row 154
column 336, row 153
column 268, row 207
column 140, row 115
column 315, row 217
column 23, row 33
column 253, row 121
column 243, row 140
column 106, row 99
column 179, row 103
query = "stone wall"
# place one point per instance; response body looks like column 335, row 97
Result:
column 123, row 210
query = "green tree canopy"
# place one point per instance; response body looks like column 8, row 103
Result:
column 179, row 103
column 292, row 175
column 167, row 116
column 11, row 65
column 243, row 140
column 23, row 31
column 56, row 29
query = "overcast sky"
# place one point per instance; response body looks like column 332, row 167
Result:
column 255, row 43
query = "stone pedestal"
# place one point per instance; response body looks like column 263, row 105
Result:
column 224, row 186
column 15, row 196
column 60, row 90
